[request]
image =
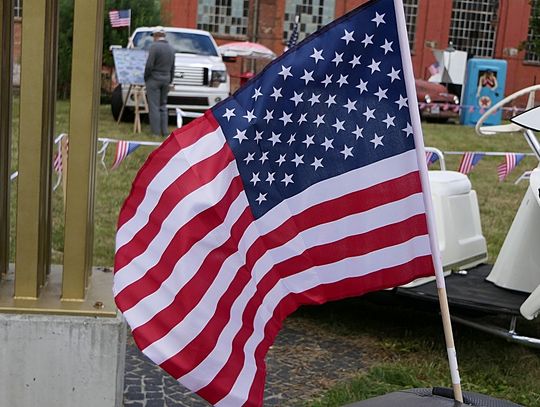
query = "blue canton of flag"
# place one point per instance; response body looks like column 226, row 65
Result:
column 336, row 103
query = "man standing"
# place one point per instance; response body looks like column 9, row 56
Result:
column 158, row 75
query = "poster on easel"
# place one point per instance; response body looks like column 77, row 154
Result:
column 129, row 65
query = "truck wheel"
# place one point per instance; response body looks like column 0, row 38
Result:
column 116, row 106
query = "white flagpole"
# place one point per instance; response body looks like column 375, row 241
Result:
column 408, row 77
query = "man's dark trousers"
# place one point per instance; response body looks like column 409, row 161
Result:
column 157, row 92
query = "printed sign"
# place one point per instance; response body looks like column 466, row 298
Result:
column 129, row 64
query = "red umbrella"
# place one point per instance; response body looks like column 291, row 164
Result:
column 247, row 49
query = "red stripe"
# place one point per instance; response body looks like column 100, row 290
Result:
column 196, row 176
column 190, row 295
column 178, row 140
column 184, row 239
column 393, row 277
column 352, row 246
column 324, row 212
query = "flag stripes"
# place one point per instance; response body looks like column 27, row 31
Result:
column 510, row 162
column 468, row 161
column 120, row 18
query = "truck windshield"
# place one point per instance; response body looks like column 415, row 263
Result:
column 186, row 43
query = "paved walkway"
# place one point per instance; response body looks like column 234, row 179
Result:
column 303, row 362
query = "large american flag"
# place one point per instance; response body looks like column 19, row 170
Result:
column 302, row 187
column 120, row 18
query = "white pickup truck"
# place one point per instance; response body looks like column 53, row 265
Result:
column 200, row 76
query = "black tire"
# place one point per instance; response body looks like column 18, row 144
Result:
column 116, row 106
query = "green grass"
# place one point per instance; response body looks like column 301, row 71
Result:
column 405, row 346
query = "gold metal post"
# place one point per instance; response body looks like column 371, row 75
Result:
column 85, row 87
column 6, row 63
column 37, row 95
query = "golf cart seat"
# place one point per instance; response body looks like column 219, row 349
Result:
column 436, row 397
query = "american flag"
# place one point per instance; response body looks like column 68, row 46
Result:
column 57, row 160
column 434, row 68
column 123, row 149
column 294, row 34
column 511, row 160
column 431, row 157
column 120, row 18
column 303, row 187
column 468, row 161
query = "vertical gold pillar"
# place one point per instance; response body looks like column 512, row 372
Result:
column 85, row 90
column 37, row 96
column 6, row 63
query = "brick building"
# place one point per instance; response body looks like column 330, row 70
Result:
column 483, row 28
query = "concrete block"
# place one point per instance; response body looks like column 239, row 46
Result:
column 58, row 360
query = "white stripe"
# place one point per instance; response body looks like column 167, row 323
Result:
column 175, row 167
column 195, row 322
column 192, row 205
column 184, row 269
column 297, row 283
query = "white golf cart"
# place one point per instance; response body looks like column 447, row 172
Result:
column 511, row 287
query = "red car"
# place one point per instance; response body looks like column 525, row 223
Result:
column 435, row 102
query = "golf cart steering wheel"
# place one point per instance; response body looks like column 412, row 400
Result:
column 505, row 128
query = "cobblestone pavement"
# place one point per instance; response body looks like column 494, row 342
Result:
column 302, row 362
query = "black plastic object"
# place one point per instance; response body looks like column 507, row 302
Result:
column 436, row 397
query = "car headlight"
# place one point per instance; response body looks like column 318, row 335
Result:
column 456, row 100
column 427, row 98
column 218, row 77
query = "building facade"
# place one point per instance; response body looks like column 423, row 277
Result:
column 483, row 28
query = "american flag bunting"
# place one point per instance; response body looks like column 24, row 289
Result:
column 468, row 161
column 511, row 160
column 123, row 149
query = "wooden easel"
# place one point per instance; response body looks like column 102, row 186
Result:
column 140, row 102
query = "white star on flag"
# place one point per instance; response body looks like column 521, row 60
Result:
column 317, row 55
column 348, row 37
column 379, row 19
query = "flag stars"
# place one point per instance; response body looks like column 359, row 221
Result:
column 402, row 102
column 275, row 138
column 258, row 136
column 381, row 94
column 358, row 132
column 281, row 159
column 338, row 59
column 297, row 98
column 394, row 75
column 285, row 72
column 347, row 152
column 249, row 158
column 374, row 66
column 368, row 40
column 355, row 61
column 348, row 37
column 264, row 157
column 287, row 179
column 271, row 177
column 369, row 113
column 302, row 118
column 338, row 125
column 317, row 55
column 286, row 118
column 327, row 144
column 292, row 139
column 319, row 120
column 342, row 80
column 387, row 46
column 408, row 129
column 276, row 94
column 362, row 86
column 298, row 159
column 331, row 100
column 317, row 163
column 229, row 113
column 379, row 19
column 261, row 198
column 308, row 141
column 377, row 141
column 257, row 94
column 314, row 99
column 327, row 81
column 240, row 136
column 255, row 178
column 249, row 115
column 389, row 121
column 307, row 77
column 350, row 105
column 269, row 115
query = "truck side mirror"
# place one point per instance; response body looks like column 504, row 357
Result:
column 228, row 58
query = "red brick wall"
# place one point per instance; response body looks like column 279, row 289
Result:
column 17, row 42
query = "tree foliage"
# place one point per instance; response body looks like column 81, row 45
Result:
column 143, row 13
column 532, row 43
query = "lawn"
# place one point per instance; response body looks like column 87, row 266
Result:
column 405, row 348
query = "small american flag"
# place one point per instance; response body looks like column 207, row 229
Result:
column 303, row 187
column 123, row 149
column 63, row 144
column 294, row 34
column 120, row 18
column 511, row 160
column 431, row 157
column 468, row 161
